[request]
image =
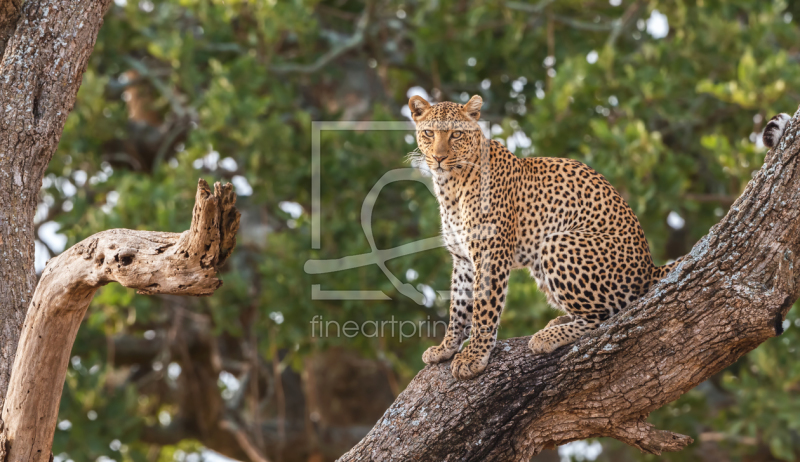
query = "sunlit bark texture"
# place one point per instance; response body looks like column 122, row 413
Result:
column 730, row 294
column 45, row 46
column 151, row 262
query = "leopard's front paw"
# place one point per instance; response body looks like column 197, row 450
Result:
column 542, row 343
column 465, row 366
column 437, row 354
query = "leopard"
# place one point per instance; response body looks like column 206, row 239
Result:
column 556, row 217
column 773, row 131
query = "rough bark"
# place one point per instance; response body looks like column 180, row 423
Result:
column 727, row 296
column 41, row 70
column 149, row 261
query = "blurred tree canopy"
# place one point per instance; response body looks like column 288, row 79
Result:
column 665, row 98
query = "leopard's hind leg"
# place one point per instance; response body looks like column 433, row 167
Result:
column 591, row 276
column 554, row 336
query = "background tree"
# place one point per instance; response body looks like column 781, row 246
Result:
column 666, row 99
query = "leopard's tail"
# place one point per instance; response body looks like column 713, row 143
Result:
column 774, row 129
column 660, row 272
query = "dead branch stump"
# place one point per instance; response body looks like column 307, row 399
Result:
column 150, row 261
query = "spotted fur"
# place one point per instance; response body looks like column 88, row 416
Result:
column 556, row 217
column 774, row 129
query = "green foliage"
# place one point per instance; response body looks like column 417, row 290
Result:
column 672, row 122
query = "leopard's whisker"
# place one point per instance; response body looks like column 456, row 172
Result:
column 416, row 154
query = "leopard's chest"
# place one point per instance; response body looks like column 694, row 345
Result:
column 455, row 232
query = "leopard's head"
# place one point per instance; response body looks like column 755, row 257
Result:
column 448, row 134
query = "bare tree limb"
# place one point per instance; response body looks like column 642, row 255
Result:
column 151, row 262
column 730, row 294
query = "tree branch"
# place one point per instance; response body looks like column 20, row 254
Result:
column 584, row 25
column 621, row 23
column 149, row 261
column 727, row 296
column 46, row 46
column 527, row 7
column 339, row 49
column 244, row 441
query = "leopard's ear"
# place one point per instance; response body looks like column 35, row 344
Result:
column 473, row 107
column 418, row 106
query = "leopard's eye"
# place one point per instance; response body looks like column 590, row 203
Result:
column 456, row 135
column 428, row 133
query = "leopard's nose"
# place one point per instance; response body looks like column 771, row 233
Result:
column 439, row 159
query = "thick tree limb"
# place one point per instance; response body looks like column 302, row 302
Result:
column 45, row 47
column 151, row 262
column 730, row 294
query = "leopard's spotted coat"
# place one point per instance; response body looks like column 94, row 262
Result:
column 558, row 217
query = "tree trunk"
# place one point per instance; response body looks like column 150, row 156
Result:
column 46, row 45
column 727, row 296
column 152, row 262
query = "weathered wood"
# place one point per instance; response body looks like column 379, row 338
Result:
column 151, row 262
column 730, row 294
column 45, row 47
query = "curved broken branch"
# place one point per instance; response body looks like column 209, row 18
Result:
column 730, row 294
column 151, row 262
